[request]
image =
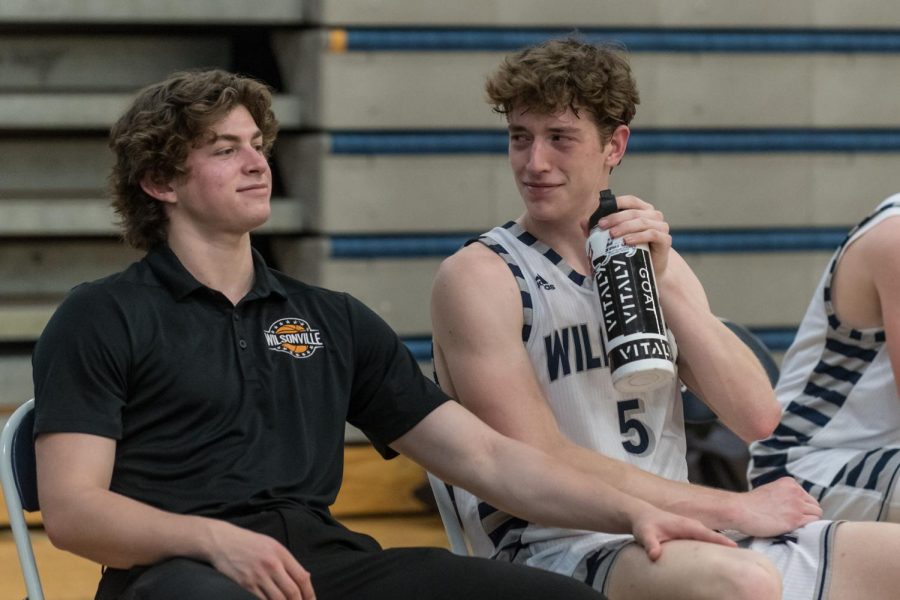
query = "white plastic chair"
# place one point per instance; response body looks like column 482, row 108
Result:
column 19, row 480
column 449, row 516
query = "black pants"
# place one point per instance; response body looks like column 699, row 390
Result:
column 344, row 566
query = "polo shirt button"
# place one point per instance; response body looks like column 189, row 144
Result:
column 242, row 344
column 236, row 317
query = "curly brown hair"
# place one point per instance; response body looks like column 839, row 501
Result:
column 567, row 73
column 156, row 133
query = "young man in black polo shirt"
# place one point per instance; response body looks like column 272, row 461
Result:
column 190, row 410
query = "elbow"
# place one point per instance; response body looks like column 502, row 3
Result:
column 58, row 530
column 758, row 431
column 762, row 425
column 63, row 529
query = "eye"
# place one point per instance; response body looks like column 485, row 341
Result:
column 224, row 151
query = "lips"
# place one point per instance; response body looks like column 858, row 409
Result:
column 539, row 188
column 254, row 187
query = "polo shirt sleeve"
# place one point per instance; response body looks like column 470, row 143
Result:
column 80, row 366
column 389, row 393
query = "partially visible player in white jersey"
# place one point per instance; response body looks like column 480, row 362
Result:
column 516, row 341
column 839, row 435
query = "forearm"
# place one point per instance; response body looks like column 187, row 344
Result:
column 717, row 509
column 714, row 362
column 119, row 532
column 513, row 476
column 557, row 494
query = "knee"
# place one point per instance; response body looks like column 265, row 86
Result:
column 753, row 577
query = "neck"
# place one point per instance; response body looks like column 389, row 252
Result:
column 567, row 238
column 224, row 265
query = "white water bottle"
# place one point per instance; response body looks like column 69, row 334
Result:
column 634, row 331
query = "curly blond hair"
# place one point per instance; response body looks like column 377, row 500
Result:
column 567, row 73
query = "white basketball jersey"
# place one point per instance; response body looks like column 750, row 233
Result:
column 561, row 333
column 837, row 394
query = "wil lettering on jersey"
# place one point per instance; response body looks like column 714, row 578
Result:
column 571, row 348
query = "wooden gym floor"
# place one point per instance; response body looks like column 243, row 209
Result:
column 378, row 498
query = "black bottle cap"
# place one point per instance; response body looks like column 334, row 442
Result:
column 607, row 207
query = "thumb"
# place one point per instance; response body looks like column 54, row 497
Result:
column 653, row 548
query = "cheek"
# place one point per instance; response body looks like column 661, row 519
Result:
column 214, row 178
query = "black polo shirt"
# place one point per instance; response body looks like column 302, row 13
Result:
column 223, row 410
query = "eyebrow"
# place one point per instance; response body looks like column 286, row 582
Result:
column 566, row 130
column 230, row 137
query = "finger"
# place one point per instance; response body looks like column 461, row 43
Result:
column 287, row 585
column 629, row 201
column 714, row 537
column 654, row 550
column 632, row 220
column 307, row 590
column 656, row 237
column 257, row 592
column 302, row 579
column 806, row 520
column 651, row 545
column 271, row 590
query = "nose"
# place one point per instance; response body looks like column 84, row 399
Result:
column 537, row 157
column 255, row 161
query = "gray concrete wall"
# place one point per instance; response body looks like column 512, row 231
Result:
column 606, row 13
column 438, row 90
column 69, row 67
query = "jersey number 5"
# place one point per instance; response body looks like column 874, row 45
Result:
column 638, row 438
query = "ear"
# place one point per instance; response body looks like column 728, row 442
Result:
column 162, row 191
column 616, row 146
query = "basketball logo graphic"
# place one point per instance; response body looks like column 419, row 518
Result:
column 293, row 336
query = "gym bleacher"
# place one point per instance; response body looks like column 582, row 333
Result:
column 765, row 130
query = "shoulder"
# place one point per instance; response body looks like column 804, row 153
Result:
column 126, row 287
column 880, row 227
column 336, row 307
column 476, row 290
column 475, row 262
column 295, row 288
column 881, row 241
column 96, row 298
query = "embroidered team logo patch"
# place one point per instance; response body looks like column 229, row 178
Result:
column 293, row 336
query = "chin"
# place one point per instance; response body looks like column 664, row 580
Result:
column 541, row 210
column 258, row 220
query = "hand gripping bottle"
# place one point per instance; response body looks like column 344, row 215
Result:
column 634, row 331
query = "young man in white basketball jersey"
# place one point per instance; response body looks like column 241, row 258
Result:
column 516, row 340
column 839, row 434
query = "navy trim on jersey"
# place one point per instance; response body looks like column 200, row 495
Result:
column 527, row 305
column 549, row 253
column 824, row 571
column 504, row 530
column 595, row 567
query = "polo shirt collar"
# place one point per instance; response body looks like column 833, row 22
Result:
column 173, row 275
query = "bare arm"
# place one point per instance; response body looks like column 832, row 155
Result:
column 462, row 450
column 866, row 285
column 712, row 361
column 480, row 359
column 83, row 516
